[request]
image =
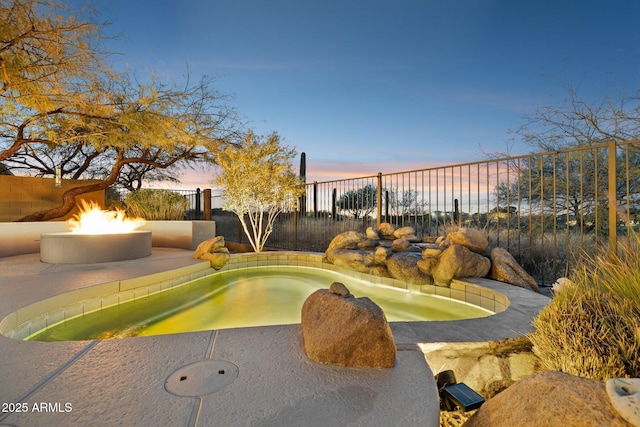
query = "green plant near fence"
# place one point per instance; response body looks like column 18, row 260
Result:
column 156, row 204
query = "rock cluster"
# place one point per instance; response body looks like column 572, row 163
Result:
column 340, row 329
column 398, row 253
column 549, row 398
column 214, row 251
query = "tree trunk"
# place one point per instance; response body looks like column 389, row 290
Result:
column 68, row 203
column 69, row 196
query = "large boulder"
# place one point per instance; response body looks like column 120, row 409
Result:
column 357, row 260
column 379, row 270
column 426, row 265
column 404, row 266
column 470, row 238
column 342, row 245
column 505, row 268
column 368, row 244
column 214, row 251
column 381, row 254
column 372, row 234
column 339, row 329
column 549, row 398
column 457, row 262
column 431, row 251
column 404, row 231
column 386, row 231
column 400, row 244
column 346, row 240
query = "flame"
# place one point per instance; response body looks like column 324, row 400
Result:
column 93, row 220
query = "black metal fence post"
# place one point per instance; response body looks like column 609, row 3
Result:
column 456, row 212
column 315, row 198
column 334, row 201
column 198, row 204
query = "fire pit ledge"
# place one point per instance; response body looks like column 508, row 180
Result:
column 72, row 248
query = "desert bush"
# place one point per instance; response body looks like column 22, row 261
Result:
column 592, row 327
column 156, row 204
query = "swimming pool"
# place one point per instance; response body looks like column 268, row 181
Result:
column 259, row 296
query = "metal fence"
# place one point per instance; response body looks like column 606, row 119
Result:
column 548, row 209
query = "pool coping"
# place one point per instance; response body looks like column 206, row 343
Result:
column 514, row 307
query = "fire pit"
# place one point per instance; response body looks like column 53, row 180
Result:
column 96, row 236
column 72, row 248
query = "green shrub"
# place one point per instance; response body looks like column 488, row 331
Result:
column 156, row 204
column 592, row 328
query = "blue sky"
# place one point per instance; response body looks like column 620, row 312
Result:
column 380, row 86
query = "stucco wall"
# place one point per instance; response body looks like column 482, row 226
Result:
column 20, row 195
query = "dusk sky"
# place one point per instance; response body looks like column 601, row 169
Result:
column 380, row 86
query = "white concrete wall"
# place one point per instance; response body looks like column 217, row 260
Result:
column 169, row 234
column 17, row 238
column 180, row 234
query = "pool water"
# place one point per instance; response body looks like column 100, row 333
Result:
column 242, row 298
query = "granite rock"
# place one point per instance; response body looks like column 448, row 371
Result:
column 214, row 251
column 549, row 398
column 346, row 331
column 505, row 268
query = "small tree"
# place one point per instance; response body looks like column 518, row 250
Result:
column 257, row 184
column 360, row 202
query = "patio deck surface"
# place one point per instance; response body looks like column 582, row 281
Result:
column 122, row 382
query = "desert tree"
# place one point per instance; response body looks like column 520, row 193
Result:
column 562, row 183
column 359, row 202
column 83, row 161
column 258, row 183
column 62, row 108
column 568, row 176
column 581, row 123
column 407, row 202
column 50, row 60
column 159, row 125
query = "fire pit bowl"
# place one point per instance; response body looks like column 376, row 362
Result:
column 75, row 248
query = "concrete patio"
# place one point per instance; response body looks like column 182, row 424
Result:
column 123, row 381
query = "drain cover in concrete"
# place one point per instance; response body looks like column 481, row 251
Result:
column 201, row 378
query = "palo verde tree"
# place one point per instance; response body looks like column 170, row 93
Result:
column 61, row 107
column 49, row 62
column 157, row 124
column 77, row 160
column 258, row 182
